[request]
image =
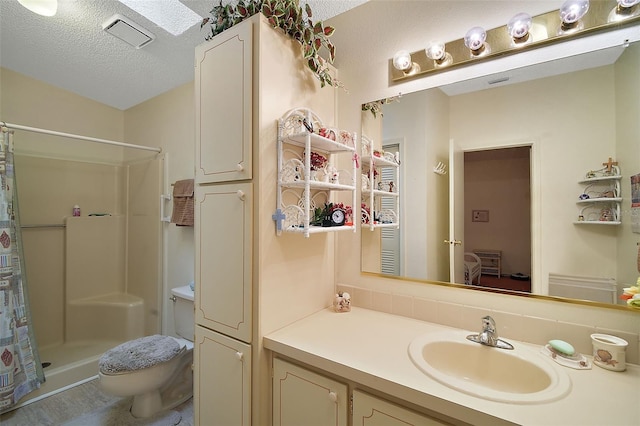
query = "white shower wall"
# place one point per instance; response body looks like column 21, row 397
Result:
column 116, row 254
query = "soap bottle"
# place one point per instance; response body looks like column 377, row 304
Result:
column 76, row 211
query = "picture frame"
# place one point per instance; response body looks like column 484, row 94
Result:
column 480, row 215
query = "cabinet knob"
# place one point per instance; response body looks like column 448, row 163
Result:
column 240, row 194
column 173, row 298
column 240, row 167
column 454, row 242
column 333, row 397
column 240, row 356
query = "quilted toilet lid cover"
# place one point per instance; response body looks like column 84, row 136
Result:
column 137, row 354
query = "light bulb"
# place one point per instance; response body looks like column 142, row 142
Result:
column 475, row 38
column 519, row 26
column 627, row 3
column 41, row 7
column 435, row 50
column 573, row 10
column 402, row 60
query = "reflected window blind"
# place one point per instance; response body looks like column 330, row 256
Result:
column 389, row 256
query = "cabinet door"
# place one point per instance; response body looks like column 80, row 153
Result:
column 301, row 397
column 223, row 94
column 372, row 411
column 223, row 275
column 222, row 380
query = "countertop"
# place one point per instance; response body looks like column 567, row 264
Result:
column 370, row 348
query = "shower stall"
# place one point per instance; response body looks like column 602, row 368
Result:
column 95, row 280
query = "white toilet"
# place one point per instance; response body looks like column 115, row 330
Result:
column 155, row 370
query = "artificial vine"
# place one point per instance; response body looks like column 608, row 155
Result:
column 289, row 16
column 376, row 106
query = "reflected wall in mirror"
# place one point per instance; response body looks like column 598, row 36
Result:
column 569, row 116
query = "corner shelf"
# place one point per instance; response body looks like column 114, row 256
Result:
column 299, row 194
column 599, row 206
column 385, row 204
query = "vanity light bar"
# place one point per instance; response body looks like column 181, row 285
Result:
column 546, row 29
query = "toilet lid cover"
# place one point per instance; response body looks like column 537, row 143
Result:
column 137, row 354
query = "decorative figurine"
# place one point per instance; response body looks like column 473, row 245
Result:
column 342, row 302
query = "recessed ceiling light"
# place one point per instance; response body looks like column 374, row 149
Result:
column 41, row 7
column 170, row 15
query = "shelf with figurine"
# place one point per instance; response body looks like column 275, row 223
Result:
column 600, row 199
column 379, row 187
column 308, row 176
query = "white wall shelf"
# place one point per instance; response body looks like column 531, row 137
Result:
column 601, row 209
column 300, row 193
column 380, row 194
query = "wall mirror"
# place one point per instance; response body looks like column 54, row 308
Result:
column 497, row 163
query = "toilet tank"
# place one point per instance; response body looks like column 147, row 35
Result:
column 183, row 312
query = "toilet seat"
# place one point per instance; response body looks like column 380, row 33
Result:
column 139, row 354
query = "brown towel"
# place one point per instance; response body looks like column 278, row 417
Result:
column 182, row 214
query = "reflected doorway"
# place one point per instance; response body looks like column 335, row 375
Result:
column 497, row 223
column 390, row 258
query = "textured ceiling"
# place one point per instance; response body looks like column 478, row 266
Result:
column 71, row 51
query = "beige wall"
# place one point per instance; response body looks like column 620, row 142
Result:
column 566, row 146
column 167, row 121
column 50, row 174
column 627, row 92
column 421, row 122
column 55, row 173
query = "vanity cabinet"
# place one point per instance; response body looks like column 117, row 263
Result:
column 380, row 188
column 373, row 411
column 222, row 382
column 223, row 102
column 302, row 397
column 600, row 200
column 308, row 174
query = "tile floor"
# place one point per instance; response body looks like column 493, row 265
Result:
column 72, row 403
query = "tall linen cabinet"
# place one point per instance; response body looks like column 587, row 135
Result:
column 249, row 282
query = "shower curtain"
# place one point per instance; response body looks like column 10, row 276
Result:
column 20, row 367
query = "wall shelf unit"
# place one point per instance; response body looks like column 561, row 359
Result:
column 600, row 201
column 380, row 190
column 301, row 189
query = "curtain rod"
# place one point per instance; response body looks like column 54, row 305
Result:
column 72, row 136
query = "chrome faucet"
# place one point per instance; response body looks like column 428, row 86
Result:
column 489, row 336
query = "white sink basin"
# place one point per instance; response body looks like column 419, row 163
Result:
column 520, row 376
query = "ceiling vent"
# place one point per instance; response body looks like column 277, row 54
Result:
column 127, row 30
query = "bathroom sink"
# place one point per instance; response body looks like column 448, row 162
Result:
column 520, row 376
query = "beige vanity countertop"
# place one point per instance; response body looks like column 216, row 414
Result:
column 370, row 348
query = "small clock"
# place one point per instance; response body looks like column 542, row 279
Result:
column 337, row 217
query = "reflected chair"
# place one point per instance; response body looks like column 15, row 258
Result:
column 472, row 268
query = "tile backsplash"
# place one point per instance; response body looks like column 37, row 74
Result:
column 524, row 328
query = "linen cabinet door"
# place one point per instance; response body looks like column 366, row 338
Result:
column 222, row 380
column 223, row 275
column 224, row 101
column 302, row 397
column 371, row 411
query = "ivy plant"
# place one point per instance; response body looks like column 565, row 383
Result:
column 290, row 17
column 376, row 106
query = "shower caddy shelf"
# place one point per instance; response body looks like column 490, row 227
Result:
column 591, row 205
column 299, row 194
column 384, row 216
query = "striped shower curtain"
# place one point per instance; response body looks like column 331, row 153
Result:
column 20, row 368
